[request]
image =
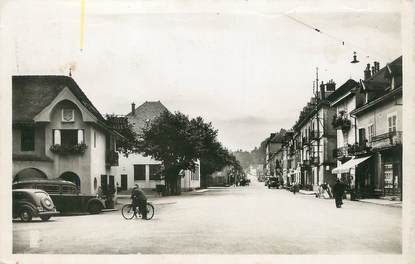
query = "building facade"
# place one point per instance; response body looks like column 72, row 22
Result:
column 379, row 129
column 58, row 133
column 318, row 140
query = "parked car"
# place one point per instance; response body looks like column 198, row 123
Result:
column 65, row 195
column 273, row 183
column 244, row 182
column 29, row 203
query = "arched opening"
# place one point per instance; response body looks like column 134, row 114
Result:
column 72, row 177
column 29, row 174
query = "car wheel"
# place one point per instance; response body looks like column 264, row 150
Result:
column 45, row 218
column 26, row 215
column 94, row 208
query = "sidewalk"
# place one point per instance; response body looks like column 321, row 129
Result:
column 383, row 202
column 154, row 198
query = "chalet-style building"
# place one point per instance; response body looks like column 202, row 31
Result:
column 58, row 133
column 142, row 170
column 379, row 129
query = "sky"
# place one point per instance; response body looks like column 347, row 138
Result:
column 247, row 67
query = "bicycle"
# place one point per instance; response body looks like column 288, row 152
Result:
column 128, row 211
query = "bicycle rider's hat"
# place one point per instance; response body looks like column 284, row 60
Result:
column 135, row 186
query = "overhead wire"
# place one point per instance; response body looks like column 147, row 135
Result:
column 340, row 40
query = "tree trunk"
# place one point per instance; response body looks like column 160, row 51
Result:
column 172, row 182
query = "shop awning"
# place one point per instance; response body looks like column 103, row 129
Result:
column 344, row 168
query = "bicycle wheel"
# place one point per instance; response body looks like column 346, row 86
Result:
column 127, row 211
column 150, row 211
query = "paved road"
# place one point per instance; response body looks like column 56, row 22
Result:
column 234, row 220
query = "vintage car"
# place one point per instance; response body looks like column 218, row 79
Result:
column 65, row 195
column 29, row 203
column 273, row 183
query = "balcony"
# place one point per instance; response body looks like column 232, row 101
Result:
column 314, row 135
column 340, row 121
column 305, row 163
column 340, row 153
column 314, row 160
column 111, row 158
column 77, row 149
column 358, row 149
column 389, row 139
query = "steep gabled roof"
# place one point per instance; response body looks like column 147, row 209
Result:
column 342, row 90
column 32, row 93
column 145, row 113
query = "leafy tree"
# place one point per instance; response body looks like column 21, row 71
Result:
column 129, row 142
column 179, row 142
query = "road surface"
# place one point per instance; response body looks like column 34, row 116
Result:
column 233, row 220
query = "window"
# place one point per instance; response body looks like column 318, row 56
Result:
column 68, row 137
column 139, row 172
column 155, row 172
column 68, row 189
column 392, row 123
column 370, row 132
column 362, row 136
column 28, row 139
column 48, row 188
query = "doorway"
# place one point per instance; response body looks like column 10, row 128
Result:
column 123, row 181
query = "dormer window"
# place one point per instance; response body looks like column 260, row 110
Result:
column 68, row 115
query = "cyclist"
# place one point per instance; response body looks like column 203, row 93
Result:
column 139, row 199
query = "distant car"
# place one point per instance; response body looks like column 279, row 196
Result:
column 29, row 203
column 244, row 182
column 273, row 183
column 65, row 195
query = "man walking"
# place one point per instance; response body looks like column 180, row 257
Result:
column 338, row 191
column 140, row 200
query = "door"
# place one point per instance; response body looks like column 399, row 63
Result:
column 104, row 184
column 123, row 181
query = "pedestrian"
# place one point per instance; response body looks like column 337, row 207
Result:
column 338, row 191
column 139, row 200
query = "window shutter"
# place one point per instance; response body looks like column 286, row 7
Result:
column 80, row 136
column 57, row 137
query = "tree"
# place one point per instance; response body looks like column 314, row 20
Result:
column 178, row 142
column 129, row 142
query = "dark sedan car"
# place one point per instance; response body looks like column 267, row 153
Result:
column 65, row 195
column 273, row 183
column 29, row 203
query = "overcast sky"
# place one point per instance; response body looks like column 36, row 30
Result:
column 246, row 67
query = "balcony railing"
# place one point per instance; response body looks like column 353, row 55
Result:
column 341, row 122
column 358, row 149
column 341, row 152
column 68, row 150
column 306, row 163
column 314, row 135
column 111, row 158
column 314, row 160
column 387, row 140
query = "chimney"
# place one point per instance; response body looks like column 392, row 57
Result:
column 133, row 108
column 367, row 72
column 330, row 86
column 323, row 92
column 373, row 70
column 376, row 66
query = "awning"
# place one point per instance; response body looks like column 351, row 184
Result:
column 344, row 168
